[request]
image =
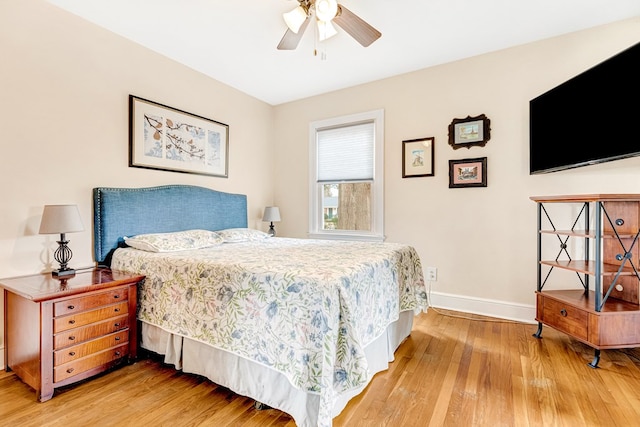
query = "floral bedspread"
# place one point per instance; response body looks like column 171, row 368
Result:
column 304, row 307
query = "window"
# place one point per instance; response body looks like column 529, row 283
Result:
column 346, row 177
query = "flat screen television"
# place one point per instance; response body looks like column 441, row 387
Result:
column 591, row 118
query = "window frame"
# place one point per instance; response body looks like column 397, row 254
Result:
column 377, row 185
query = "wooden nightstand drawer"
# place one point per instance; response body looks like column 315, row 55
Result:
column 565, row 317
column 79, row 335
column 89, row 347
column 76, row 305
column 79, row 366
column 625, row 217
column 614, row 252
column 81, row 319
column 626, row 288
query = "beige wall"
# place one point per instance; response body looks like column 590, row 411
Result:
column 63, row 114
column 481, row 240
column 64, row 87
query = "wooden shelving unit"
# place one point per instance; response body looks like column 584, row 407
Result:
column 607, row 316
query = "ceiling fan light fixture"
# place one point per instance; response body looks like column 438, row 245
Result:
column 326, row 10
column 295, row 18
column 326, row 30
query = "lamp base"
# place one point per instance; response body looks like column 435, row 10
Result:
column 63, row 273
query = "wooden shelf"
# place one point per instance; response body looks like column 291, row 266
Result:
column 586, row 234
column 589, row 267
column 586, row 198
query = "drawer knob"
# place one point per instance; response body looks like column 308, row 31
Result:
column 69, row 370
column 619, row 222
column 72, row 338
column 72, row 353
column 72, row 321
column 117, row 310
column 563, row 312
column 117, row 325
column 619, row 257
column 117, row 353
column 71, row 307
column 117, row 338
column 116, row 296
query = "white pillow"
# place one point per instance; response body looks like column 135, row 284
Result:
column 174, row 241
column 234, row 235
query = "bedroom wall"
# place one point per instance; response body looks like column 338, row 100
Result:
column 481, row 240
column 64, row 87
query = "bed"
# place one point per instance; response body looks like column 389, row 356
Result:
column 301, row 325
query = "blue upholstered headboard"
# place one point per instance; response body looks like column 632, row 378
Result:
column 119, row 212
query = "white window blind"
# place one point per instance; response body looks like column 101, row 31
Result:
column 346, row 153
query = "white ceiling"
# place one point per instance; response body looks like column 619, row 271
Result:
column 234, row 41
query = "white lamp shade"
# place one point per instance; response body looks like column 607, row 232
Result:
column 60, row 219
column 326, row 30
column 326, row 10
column 271, row 214
column 295, row 18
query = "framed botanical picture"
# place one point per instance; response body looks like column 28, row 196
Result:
column 468, row 173
column 169, row 139
column 469, row 131
column 417, row 157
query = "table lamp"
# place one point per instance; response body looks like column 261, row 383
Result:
column 271, row 214
column 61, row 219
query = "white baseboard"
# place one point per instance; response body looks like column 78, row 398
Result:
column 486, row 307
column 2, row 366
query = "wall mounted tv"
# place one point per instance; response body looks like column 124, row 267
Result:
column 591, row 118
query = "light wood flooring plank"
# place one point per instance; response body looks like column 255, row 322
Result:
column 455, row 369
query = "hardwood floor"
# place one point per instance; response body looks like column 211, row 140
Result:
column 452, row 371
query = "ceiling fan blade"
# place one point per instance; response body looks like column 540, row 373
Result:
column 290, row 39
column 364, row 33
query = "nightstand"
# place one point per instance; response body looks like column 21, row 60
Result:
column 60, row 331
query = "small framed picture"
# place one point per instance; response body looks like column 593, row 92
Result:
column 468, row 173
column 417, row 157
column 469, row 131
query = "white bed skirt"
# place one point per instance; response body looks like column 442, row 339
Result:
column 267, row 386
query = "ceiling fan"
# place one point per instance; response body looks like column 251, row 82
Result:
column 325, row 12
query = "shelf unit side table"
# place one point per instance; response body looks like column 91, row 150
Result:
column 607, row 316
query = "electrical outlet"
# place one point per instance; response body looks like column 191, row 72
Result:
column 432, row 274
